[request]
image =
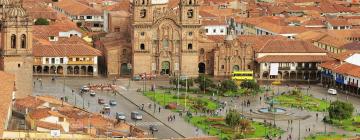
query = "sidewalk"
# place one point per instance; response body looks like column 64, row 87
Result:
column 179, row 125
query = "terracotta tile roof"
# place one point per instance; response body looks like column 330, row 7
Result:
column 314, row 22
column 30, row 102
column 50, row 126
column 43, row 113
column 333, row 41
column 76, row 8
column 216, row 38
column 257, row 42
column 344, row 55
column 348, row 69
column 213, row 22
column 64, row 50
column 293, row 58
column 289, row 46
column 52, row 100
column 338, row 22
column 123, row 5
column 6, row 90
column 275, row 28
column 36, row 9
column 352, row 46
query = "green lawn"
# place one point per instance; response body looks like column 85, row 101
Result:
column 259, row 130
column 352, row 124
column 330, row 136
column 305, row 101
column 165, row 98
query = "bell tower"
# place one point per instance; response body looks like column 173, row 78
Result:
column 16, row 46
column 189, row 12
column 142, row 11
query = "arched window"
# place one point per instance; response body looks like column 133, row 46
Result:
column 13, row 41
column 23, row 41
column 190, row 47
column 190, row 13
column 165, row 43
column 143, row 2
column 190, row 2
column 143, row 13
column 142, row 46
column 124, row 51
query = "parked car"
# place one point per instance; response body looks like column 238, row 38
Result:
column 332, row 91
column 84, row 89
column 107, row 107
column 153, row 128
column 120, row 116
column 112, row 102
column 101, row 101
column 136, row 115
column 136, row 78
column 92, row 93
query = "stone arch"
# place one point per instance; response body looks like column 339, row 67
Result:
column 202, row 67
column 38, row 69
column 13, row 41
column 300, row 75
column 292, row 75
column 76, row 70
column 46, row 70
column 23, row 41
column 306, row 75
column 60, row 70
column 280, row 74
column 90, row 70
column 265, row 75
column 70, row 70
column 313, row 75
column 53, row 70
column 83, row 70
column 165, row 67
column 124, row 70
column 286, row 75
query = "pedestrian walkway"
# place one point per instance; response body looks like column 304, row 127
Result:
column 179, row 124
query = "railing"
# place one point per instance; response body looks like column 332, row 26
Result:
column 284, row 68
column 81, row 62
column 306, row 68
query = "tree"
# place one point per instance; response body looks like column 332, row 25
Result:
column 41, row 21
column 182, row 82
column 340, row 110
column 228, row 85
column 204, row 82
column 233, row 119
column 250, row 84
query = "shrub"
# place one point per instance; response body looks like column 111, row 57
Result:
column 41, row 21
column 340, row 110
column 228, row 85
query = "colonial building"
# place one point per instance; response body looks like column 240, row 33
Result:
column 165, row 40
column 16, row 45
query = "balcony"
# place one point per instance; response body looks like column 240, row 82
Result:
column 306, row 68
column 284, row 68
column 81, row 62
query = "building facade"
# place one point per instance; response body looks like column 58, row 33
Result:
column 16, row 46
column 165, row 40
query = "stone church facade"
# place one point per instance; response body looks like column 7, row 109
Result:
column 165, row 41
column 16, row 45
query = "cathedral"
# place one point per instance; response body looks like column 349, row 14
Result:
column 16, row 45
column 164, row 40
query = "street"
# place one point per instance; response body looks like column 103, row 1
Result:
column 56, row 88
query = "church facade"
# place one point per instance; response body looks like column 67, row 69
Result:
column 16, row 45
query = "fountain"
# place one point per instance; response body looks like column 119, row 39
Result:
column 272, row 109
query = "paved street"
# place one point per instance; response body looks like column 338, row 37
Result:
column 56, row 89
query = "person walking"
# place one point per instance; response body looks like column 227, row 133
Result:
column 159, row 109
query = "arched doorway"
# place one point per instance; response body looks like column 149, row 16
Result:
column 124, row 70
column 90, row 70
column 60, row 70
column 76, row 70
column 39, row 69
column 265, row 75
column 286, row 75
column 46, row 69
column 165, row 67
column 70, row 70
column 83, row 70
column 201, row 67
column 52, row 70
column 236, row 68
column 292, row 75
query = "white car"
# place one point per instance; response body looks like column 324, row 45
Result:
column 92, row 93
column 332, row 91
column 107, row 107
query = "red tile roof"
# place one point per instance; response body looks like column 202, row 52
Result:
column 76, row 8
column 50, row 126
column 30, row 102
column 293, row 58
column 56, row 50
column 289, row 46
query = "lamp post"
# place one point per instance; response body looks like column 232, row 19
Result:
column 130, row 72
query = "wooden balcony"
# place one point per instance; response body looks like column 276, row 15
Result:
column 81, row 62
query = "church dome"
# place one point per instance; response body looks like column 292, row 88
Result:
column 4, row 2
column 16, row 12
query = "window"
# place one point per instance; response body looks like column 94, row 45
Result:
column 124, row 51
column 61, row 60
column 143, row 13
column 207, row 30
column 13, row 41
column 142, row 33
column 190, row 47
column 19, row 65
column 47, row 60
column 165, row 43
column 142, row 46
column 61, row 119
column 190, row 13
column 96, row 25
column 221, row 30
column 222, row 66
column 190, row 33
column 52, row 60
column 202, row 51
column 23, row 41
column 214, row 30
column 88, row 17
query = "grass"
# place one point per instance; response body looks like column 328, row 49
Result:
column 329, row 136
column 352, row 124
column 259, row 129
column 307, row 102
column 165, row 98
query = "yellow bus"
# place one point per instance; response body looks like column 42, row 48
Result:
column 242, row 75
